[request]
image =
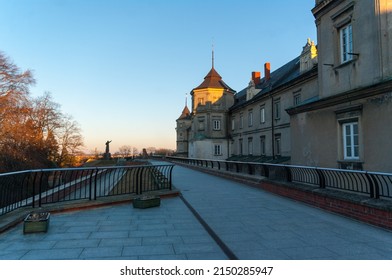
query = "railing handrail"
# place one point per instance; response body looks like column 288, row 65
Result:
column 79, row 168
column 41, row 186
column 287, row 165
column 374, row 184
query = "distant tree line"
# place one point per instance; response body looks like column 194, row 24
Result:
column 34, row 133
column 127, row 151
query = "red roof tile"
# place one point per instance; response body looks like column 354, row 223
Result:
column 213, row 80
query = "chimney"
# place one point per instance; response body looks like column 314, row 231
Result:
column 267, row 71
column 256, row 77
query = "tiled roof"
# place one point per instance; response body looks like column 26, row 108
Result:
column 213, row 80
column 185, row 113
column 279, row 77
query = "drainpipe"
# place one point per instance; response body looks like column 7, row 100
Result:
column 272, row 127
column 267, row 77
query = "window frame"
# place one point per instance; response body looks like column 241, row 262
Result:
column 250, row 146
column 277, row 109
column 250, row 118
column 297, row 99
column 278, row 144
column 217, row 150
column 353, row 146
column 346, row 43
column 216, row 125
column 262, row 114
column 262, row 145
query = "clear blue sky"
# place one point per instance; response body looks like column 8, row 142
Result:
column 122, row 68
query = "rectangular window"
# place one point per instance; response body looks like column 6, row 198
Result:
column 217, row 150
column 233, row 123
column 262, row 145
column 250, row 146
column 346, row 43
column 200, row 101
column 262, row 114
column 297, row 99
column 350, row 140
column 277, row 109
column 250, row 118
column 241, row 121
column 216, row 124
column 278, row 145
column 240, row 147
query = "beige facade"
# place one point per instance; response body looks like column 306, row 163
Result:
column 206, row 125
column 329, row 107
column 182, row 131
column 349, row 126
column 260, row 126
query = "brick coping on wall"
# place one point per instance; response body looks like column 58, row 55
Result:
column 377, row 212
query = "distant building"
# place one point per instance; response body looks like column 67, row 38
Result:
column 206, row 126
column 183, row 130
column 331, row 106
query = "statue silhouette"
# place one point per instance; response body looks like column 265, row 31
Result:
column 107, row 146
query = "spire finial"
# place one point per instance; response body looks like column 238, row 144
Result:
column 212, row 52
column 186, row 99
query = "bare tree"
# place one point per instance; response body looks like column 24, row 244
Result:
column 135, row 151
column 151, row 150
column 164, row 152
column 125, row 151
column 70, row 141
column 34, row 133
column 14, row 84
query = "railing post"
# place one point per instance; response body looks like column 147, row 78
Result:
column 321, row 178
column 33, row 190
column 40, row 189
column 250, row 169
column 170, row 177
column 95, row 184
column 266, row 170
column 288, row 173
column 373, row 186
column 139, row 181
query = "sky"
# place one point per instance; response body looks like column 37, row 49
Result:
column 122, row 68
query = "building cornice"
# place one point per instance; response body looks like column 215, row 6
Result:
column 324, row 6
column 348, row 96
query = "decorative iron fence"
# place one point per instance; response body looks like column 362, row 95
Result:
column 374, row 184
column 37, row 187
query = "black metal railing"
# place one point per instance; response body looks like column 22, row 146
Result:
column 373, row 184
column 37, row 187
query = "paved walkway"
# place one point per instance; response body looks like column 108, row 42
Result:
column 241, row 222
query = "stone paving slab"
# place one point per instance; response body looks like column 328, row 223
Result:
column 115, row 232
column 256, row 224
